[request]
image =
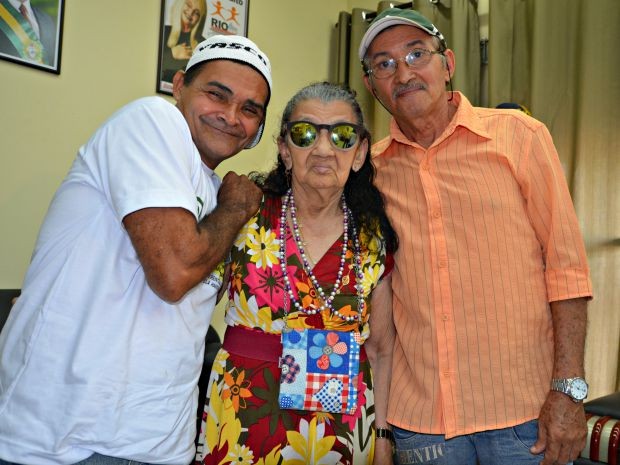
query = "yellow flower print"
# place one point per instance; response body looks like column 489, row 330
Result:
column 372, row 246
column 220, row 361
column 240, row 455
column 262, row 247
column 295, row 320
column 243, row 311
column 219, row 269
column 309, row 445
column 272, row 458
column 222, row 427
column 236, row 390
column 264, row 320
column 371, row 276
column 249, row 228
column 323, row 417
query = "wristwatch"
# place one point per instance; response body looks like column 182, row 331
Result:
column 575, row 388
column 384, row 433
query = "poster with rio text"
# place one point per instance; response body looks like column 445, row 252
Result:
column 186, row 23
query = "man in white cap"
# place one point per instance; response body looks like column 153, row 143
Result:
column 100, row 356
column 490, row 281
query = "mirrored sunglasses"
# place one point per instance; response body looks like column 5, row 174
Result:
column 343, row 136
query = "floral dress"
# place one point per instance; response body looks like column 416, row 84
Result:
column 242, row 421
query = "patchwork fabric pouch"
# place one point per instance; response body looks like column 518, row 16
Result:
column 319, row 370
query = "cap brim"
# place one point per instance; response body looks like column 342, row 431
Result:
column 381, row 25
column 257, row 137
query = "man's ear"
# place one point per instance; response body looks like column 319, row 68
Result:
column 450, row 63
column 178, row 81
column 360, row 156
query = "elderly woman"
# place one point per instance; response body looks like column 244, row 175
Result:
column 310, row 270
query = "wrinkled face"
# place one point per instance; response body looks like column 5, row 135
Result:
column 322, row 165
column 224, row 106
column 191, row 13
column 410, row 91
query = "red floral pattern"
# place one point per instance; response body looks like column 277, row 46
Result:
column 257, row 300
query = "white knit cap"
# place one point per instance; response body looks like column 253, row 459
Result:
column 236, row 48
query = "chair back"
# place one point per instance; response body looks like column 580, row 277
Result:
column 6, row 302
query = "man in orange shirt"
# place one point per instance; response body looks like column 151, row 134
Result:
column 491, row 279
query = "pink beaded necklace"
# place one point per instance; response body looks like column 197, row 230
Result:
column 289, row 205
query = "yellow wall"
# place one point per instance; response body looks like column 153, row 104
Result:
column 109, row 57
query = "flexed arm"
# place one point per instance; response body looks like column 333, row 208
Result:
column 177, row 252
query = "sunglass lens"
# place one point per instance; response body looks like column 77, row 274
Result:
column 303, row 134
column 344, row 136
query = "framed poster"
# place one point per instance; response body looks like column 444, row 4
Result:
column 186, row 23
column 31, row 33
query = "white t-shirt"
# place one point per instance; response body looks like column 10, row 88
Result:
column 91, row 360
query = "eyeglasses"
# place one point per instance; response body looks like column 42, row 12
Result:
column 343, row 136
column 383, row 67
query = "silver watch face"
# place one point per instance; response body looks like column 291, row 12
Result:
column 578, row 389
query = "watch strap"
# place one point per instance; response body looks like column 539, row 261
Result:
column 560, row 385
column 564, row 385
column 384, row 433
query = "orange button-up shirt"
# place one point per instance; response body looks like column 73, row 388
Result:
column 488, row 237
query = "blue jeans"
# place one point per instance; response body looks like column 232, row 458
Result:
column 508, row 446
column 96, row 459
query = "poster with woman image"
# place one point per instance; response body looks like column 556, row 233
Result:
column 186, row 23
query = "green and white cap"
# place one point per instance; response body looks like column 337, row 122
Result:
column 394, row 17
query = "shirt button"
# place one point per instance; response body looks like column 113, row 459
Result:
column 443, row 263
column 445, row 316
column 436, row 214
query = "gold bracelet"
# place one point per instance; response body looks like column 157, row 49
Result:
column 384, row 433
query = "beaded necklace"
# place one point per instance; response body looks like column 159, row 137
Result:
column 289, row 204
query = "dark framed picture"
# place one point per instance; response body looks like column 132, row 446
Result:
column 186, row 23
column 31, row 33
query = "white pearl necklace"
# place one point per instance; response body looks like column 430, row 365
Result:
column 289, row 202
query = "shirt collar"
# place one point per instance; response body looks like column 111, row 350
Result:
column 208, row 171
column 465, row 116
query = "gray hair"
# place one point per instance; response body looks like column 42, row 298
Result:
column 325, row 92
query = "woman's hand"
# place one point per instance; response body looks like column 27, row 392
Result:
column 383, row 452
